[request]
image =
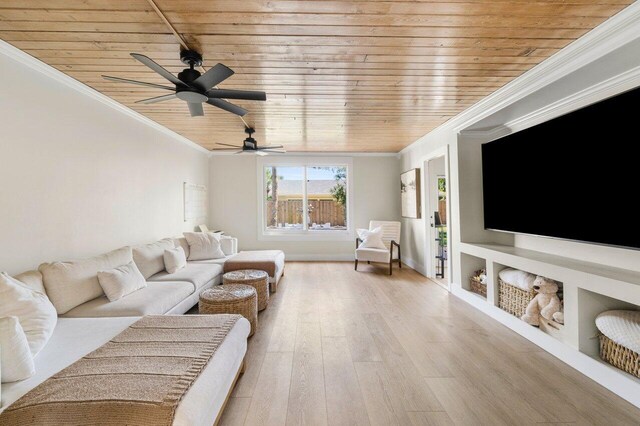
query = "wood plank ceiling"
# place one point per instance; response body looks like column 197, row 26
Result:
column 339, row 75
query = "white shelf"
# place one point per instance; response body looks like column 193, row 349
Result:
column 599, row 278
column 589, row 288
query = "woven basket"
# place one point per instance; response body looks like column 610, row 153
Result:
column 513, row 299
column 231, row 299
column 478, row 288
column 255, row 278
column 619, row 356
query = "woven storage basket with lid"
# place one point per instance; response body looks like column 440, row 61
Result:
column 253, row 277
column 231, row 299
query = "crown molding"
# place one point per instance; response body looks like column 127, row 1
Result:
column 611, row 34
column 47, row 70
column 316, row 154
column 605, row 89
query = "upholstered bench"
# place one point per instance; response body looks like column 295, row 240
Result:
column 270, row 261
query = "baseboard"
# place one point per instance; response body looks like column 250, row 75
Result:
column 418, row 267
column 320, row 257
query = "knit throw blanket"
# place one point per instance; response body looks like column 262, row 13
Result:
column 138, row 378
column 263, row 260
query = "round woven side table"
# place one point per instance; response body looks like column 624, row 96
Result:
column 253, row 277
column 231, row 299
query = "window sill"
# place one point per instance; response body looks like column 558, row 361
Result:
column 324, row 235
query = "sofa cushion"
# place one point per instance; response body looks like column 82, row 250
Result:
column 157, row 298
column 16, row 361
column 150, row 257
column 121, row 281
column 33, row 280
column 196, row 274
column 70, row 284
column 210, row 261
column 35, row 312
column 174, row 259
column 182, row 242
column 204, row 245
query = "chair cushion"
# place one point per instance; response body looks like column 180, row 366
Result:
column 121, row 281
column 198, row 274
column 70, row 284
column 210, row 261
column 157, row 298
column 372, row 254
column 150, row 257
column 33, row 280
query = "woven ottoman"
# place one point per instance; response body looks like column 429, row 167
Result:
column 231, row 299
column 253, row 277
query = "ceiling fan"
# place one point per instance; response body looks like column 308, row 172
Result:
column 193, row 87
column 250, row 145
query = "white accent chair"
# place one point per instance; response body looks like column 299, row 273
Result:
column 390, row 238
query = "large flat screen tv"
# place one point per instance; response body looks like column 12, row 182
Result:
column 575, row 177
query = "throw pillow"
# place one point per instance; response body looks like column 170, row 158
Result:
column 204, row 245
column 70, row 284
column 174, row 259
column 371, row 238
column 149, row 257
column 35, row 312
column 16, row 361
column 118, row 282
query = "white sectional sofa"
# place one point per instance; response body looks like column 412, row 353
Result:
column 165, row 293
column 87, row 319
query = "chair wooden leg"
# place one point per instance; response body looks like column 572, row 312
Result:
column 356, row 267
column 369, row 262
column 391, row 267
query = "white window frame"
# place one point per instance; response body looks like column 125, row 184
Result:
column 304, row 234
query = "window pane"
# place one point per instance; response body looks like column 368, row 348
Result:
column 283, row 197
column 327, row 197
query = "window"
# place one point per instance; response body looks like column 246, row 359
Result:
column 304, row 199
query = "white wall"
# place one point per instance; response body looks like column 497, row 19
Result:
column 79, row 177
column 233, row 197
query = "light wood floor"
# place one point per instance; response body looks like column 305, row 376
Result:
column 339, row 347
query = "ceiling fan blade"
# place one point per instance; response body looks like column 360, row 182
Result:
column 157, row 99
column 239, row 152
column 226, row 144
column 271, row 147
column 213, row 77
column 227, row 106
column 195, row 108
column 249, row 95
column 141, row 83
column 273, row 152
column 158, row 69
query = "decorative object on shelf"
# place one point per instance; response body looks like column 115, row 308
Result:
column 620, row 339
column 410, row 193
column 545, row 303
column 515, row 291
column 478, row 282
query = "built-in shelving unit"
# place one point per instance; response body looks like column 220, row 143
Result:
column 589, row 289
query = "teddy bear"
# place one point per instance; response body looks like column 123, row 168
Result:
column 546, row 303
